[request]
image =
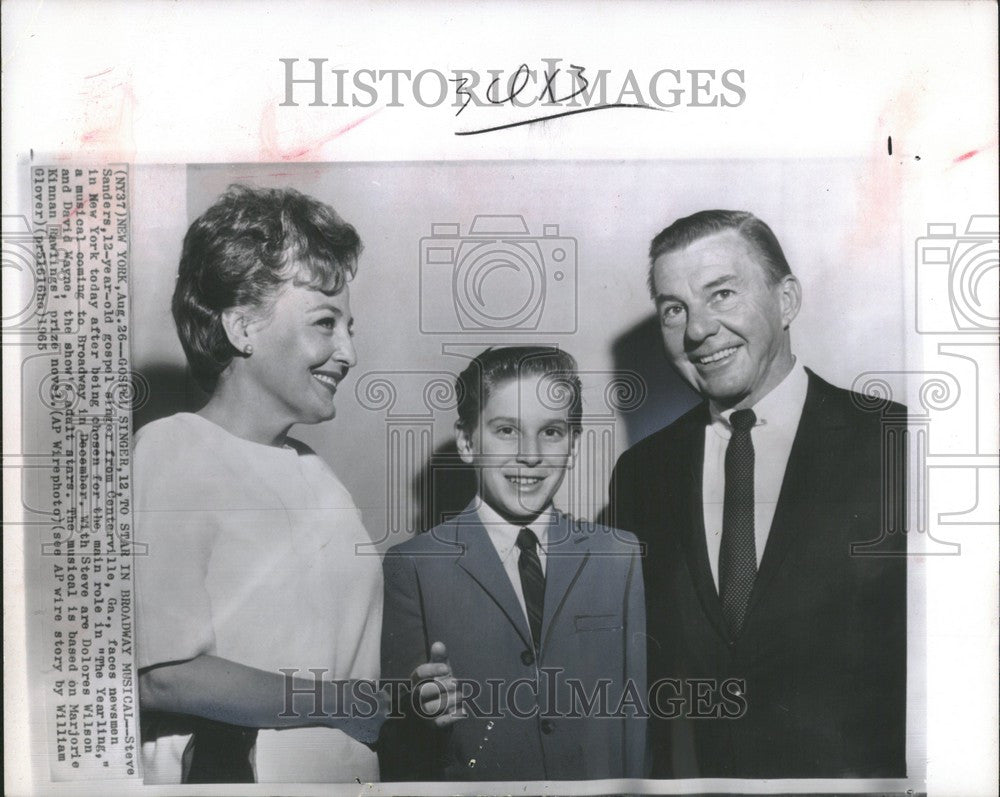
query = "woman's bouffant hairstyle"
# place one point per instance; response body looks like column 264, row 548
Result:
column 240, row 251
column 493, row 367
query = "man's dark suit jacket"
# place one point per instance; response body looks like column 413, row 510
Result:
column 823, row 649
column 449, row 585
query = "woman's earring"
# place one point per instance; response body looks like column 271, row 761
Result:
column 248, row 350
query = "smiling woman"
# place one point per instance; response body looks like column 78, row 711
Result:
column 251, row 591
column 295, row 352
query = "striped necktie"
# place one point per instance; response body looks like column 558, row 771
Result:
column 532, row 582
column 738, row 554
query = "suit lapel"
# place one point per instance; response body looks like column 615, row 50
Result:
column 818, row 442
column 693, row 510
column 480, row 560
column 566, row 554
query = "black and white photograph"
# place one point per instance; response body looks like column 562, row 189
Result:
column 503, row 423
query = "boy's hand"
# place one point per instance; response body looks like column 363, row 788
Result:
column 434, row 689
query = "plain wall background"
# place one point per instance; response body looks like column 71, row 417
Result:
column 825, row 214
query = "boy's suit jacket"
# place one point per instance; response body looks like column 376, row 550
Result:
column 823, row 649
column 449, row 585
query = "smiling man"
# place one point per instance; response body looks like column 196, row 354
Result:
column 762, row 510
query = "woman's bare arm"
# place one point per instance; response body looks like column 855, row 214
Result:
column 223, row 690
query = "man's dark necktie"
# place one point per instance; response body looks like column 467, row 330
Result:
column 532, row 582
column 738, row 555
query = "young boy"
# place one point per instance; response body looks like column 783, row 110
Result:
column 533, row 627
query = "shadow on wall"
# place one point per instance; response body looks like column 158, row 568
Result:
column 442, row 488
column 640, row 349
column 171, row 388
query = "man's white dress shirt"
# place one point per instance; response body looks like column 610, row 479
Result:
column 503, row 535
column 778, row 415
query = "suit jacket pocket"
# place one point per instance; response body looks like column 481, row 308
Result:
column 597, row 622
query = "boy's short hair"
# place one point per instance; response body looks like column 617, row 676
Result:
column 493, row 366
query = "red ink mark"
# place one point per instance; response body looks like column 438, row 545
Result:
column 270, row 148
column 72, row 212
column 108, row 121
column 98, row 74
column 972, row 153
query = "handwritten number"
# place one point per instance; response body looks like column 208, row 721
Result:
column 519, row 82
column 460, row 91
column 584, row 83
column 524, row 75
